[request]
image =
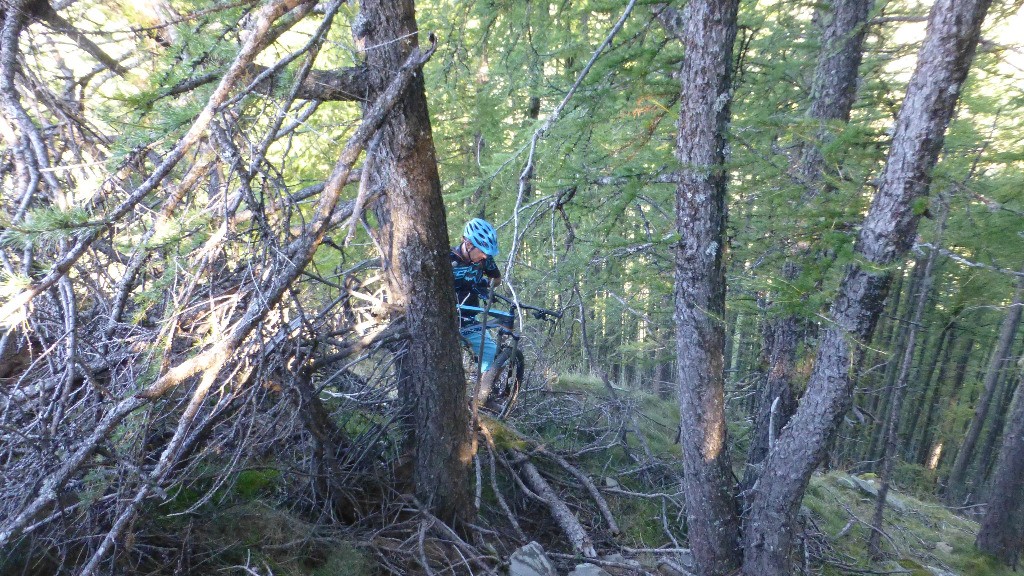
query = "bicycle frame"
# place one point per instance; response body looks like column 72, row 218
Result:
column 508, row 359
column 506, row 321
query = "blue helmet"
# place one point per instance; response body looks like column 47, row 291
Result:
column 482, row 235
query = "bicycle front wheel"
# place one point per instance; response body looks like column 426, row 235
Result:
column 510, row 367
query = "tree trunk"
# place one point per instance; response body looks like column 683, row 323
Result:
column 834, row 87
column 663, row 379
column 833, row 92
column 887, row 233
column 776, row 401
column 734, row 347
column 883, row 401
column 924, row 448
column 732, row 321
column 899, row 389
column 959, row 377
column 955, row 485
column 954, row 401
column 1002, row 529
column 414, row 240
column 986, row 459
column 857, row 442
column 710, row 28
column 914, row 412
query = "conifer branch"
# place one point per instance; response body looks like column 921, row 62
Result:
column 527, row 174
column 920, row 246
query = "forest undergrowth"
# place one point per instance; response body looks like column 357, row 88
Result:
column 605, row 456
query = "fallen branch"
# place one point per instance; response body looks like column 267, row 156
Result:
column 570, row 525
column 494, row 486
column 602, row 504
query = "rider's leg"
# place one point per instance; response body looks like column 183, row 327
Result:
column 472, row 337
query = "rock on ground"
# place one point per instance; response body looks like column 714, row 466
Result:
column 530, row 560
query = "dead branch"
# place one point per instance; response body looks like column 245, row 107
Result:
column 214, row 359
column 587, row 483
column 570, row 525
column 255, row 43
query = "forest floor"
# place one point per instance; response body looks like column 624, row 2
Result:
column 924, row 538
column 573, row 415
column 622, row 442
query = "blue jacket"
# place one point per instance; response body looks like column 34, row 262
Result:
column 471, row 282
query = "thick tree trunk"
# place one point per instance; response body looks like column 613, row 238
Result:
column 834, row 87
column 888, row 232
column 1002, row 529
column 414, row 240
column 710, row 28
column 771, row 523
column 857, row 441
column 965, row 455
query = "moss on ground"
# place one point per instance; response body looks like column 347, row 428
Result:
column 921, row 536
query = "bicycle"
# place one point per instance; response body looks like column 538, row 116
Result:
column 508, row 367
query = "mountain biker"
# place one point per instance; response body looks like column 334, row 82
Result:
column 475, row 272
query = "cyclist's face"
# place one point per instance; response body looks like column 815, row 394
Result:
column 475, row 254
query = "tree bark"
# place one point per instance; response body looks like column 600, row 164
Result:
column 414, row 241
column 834, row 87
column 574, row 531
column 1002, row 529
column 776, row 401
column 856, row 443
column 887, row 233
column 710, row 29
column 965, row 455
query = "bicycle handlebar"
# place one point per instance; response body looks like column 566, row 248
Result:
column 478, row 310
column 538, row 313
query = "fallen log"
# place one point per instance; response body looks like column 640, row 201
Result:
column 572, row 528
